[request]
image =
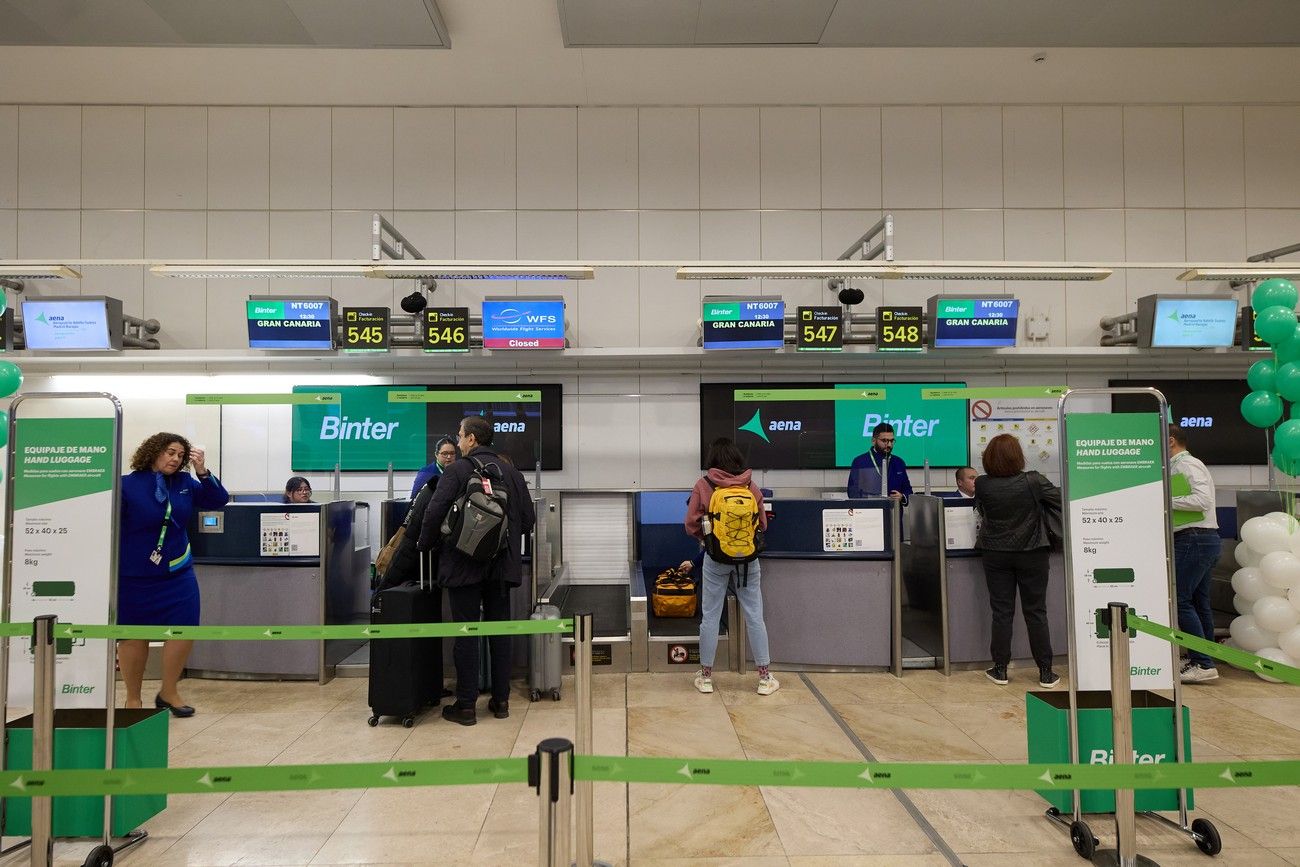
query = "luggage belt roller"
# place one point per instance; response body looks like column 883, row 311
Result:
column 618, row 621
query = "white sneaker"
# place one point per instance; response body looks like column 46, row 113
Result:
column 768, row 685
column 1193, row 673
column 703, row 682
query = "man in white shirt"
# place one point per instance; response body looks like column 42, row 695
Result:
column 966, row 482
column 1196, row 550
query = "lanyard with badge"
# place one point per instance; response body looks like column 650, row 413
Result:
column 156, row 557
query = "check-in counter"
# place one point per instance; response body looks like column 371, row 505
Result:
column 280, row 564
column 944, row 580
column 829, row 585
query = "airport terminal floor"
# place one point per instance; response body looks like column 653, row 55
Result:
column 920, row 717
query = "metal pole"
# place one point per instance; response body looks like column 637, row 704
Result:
column 43, row 656
column 925, row 468
column 390, row 481
column 585, row 828
column 554, row 779
column 338, row 480
column 896, row 519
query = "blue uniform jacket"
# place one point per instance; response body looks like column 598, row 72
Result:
column 869, row 464
column 432, row 471
column 142, row 518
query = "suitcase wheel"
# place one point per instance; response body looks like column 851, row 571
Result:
column 408, row 722
column 373, row 721
column 555, row 694
column 534, row 695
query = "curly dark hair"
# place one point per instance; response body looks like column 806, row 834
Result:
column 149, row 450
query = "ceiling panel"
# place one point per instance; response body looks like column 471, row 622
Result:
column 232, row 22
column 629, row 22
column 363, row 23
column 18, row 29
column 762, row 22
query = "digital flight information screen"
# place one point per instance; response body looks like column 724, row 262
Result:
column 291, row 323
column 973, row 321
column 1186, row 321
column 743, row 323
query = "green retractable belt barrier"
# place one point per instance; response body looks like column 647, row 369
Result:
column 1230, row 655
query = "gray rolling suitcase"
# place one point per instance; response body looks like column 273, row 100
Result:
column 544, row 660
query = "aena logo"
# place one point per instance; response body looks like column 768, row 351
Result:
column 512, row 316
column 755, row 426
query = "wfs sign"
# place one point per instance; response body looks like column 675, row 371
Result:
column 523, row 323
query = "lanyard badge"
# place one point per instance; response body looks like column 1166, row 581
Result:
column 156, row 557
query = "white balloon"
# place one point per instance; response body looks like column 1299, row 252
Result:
column 1276, row 655
column 1273, row 613
column 1265, row 536
column 1249, row 636
column 1289, row 641
column 1242, row 604
column 1250, row 585
column 1293, row 596
column 1246, row 556
column 1230, row 642
column 1285, row 520
column 1281, row 569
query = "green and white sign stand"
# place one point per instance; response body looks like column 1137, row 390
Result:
column 1118, row 548
column 61, row 540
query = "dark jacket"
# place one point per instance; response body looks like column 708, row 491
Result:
column 454, row 568
column 866, row 469
column 1009, row 515
column 405, row 565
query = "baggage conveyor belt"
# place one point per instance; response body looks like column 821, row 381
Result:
column 608, row 604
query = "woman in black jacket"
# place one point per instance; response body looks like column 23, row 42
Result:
column 1015, row 547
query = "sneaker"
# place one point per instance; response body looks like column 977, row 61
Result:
column 997, row 674
column 466, row 716
column 768, row 685
column 1047, row 678
column 704, row 683
column 1194, row 673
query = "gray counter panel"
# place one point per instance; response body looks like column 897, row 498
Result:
column 828, row 612
column 256, row 596
column 969, row 622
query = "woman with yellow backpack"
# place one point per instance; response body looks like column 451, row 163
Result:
column 725, row 513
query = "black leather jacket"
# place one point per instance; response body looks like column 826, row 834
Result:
column 1009, row 514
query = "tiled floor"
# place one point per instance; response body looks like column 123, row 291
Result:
column 923, row 717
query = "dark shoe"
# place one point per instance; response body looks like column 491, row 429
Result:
column 1047, row 678
column 183, row 710
column 457, row 714
column 997, row 674
column 500, row 710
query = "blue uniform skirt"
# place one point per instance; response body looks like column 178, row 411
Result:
column 171, row 600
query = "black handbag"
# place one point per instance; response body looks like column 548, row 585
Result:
column 1049, row 514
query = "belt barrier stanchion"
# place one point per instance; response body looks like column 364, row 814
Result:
column 551, row 771
column 1121, row 716
column 584, row 744
column 896, row 621
column 43, row 735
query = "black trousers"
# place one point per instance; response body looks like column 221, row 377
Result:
column 486, row 601
column 1026, row 571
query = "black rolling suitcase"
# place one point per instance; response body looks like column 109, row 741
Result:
column 405, row 673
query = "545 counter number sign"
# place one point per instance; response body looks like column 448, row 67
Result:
column 446, row 329
column 365, row 329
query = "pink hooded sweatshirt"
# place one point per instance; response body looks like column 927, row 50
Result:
column 698, row 503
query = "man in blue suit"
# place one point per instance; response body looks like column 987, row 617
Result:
column 880, row 462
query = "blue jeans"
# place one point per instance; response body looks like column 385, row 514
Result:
column 1195, row 554
column 750, row 596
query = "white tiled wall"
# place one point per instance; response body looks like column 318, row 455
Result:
column 1135, row 182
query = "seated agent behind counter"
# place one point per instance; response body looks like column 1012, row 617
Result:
column 443, row 454
column 297, row 490
column 867, row 469
column 479, row 590
column 966, row 482
column 1196, row 550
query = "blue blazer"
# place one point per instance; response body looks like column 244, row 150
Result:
column 142, row 519
column 863, row 465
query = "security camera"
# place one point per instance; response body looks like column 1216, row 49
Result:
column 415, row 302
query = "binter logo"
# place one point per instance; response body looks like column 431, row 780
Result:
column 903, row 427
column 334, row 428
column 513, row 316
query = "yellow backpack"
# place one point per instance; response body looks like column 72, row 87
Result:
column 734, row 536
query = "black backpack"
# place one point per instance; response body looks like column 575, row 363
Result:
column 477, row 523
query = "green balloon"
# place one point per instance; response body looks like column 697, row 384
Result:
column 1290, row 466
column 1286, row 381
column 1261, row 408
column 4, row 301
column 11, row 378
column 1275, row 324
column 4, row 428
column 1289, row 349
column 1274, row 292
column 1286, row 439
column 1262, row 374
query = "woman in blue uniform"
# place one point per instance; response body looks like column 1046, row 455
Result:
column 156, row 585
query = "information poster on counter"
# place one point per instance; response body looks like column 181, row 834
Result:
column 290, row 534
column 64, row 494
column 853, row 530
column 1031, row 420
column 1117, row 540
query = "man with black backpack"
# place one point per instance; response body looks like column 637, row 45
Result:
column 478, row 515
